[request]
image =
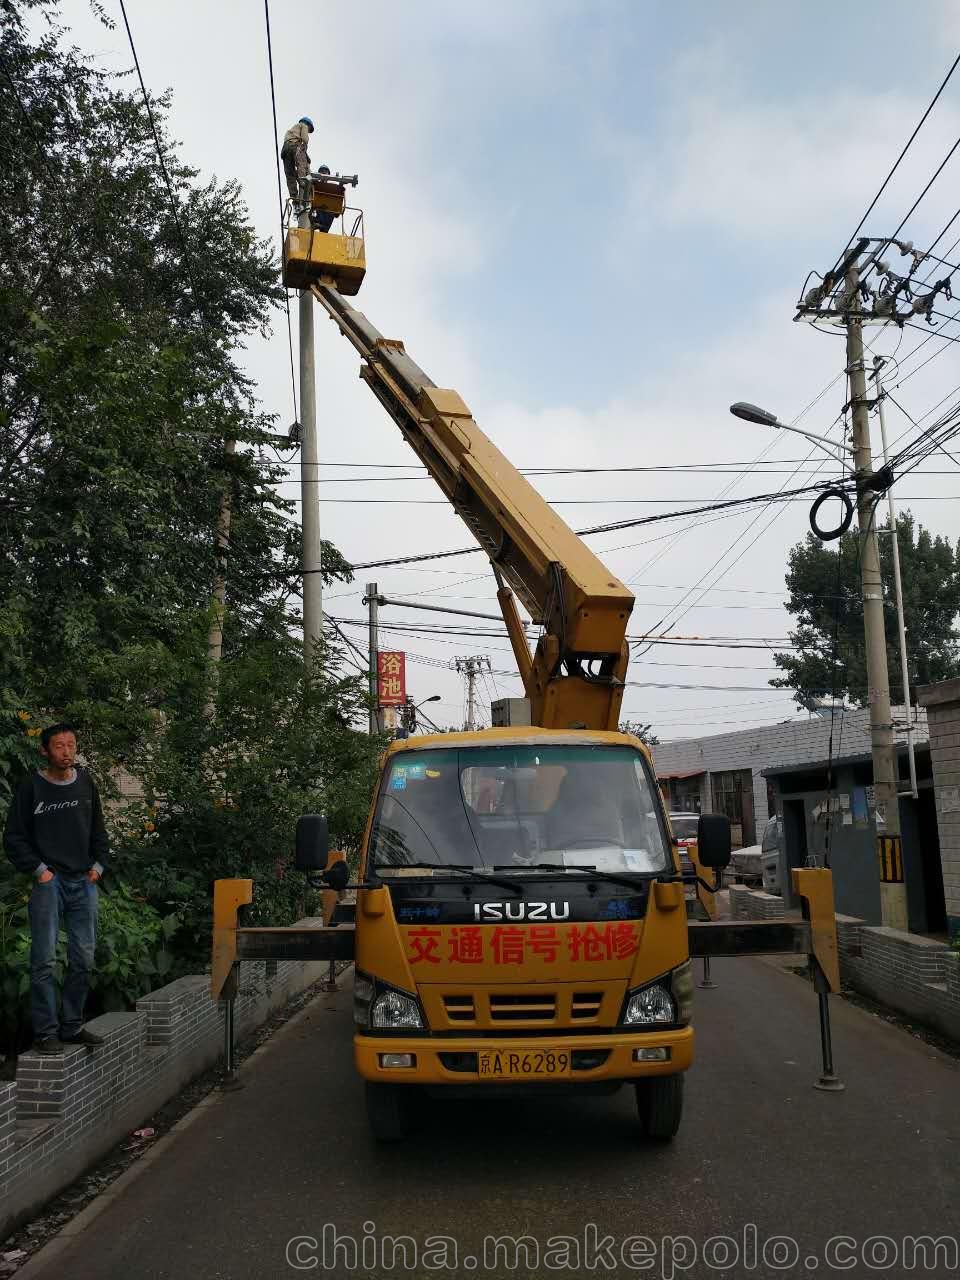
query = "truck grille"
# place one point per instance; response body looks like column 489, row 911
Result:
column 531, row 1007
column 536, row 1007
column 459, row 1008
column 586, row 1004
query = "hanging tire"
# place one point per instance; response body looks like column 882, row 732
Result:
column 660, row 1106
column 389, row 1111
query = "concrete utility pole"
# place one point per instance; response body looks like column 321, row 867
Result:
column 470, row 668
column 219, row 599
column 309, row 489
column 372, row 599
column 886, row 775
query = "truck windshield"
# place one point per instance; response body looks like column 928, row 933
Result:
column 512, row 807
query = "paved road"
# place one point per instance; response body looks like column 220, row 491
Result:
column 761, row 1154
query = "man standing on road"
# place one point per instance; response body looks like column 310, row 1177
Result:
column 55, row 832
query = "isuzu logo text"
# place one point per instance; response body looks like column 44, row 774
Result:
column 521, row 910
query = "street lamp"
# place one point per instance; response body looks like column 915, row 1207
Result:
column 764, row 418
column 408, row 723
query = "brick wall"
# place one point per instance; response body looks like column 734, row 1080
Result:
column 917, row 976
column 942, row 702
column 62, row 1113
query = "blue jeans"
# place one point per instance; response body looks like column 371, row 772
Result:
column 74, row 901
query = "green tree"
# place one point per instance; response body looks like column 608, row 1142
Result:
column 641, row 731
column 825, row 597
column 119, row 385
column 120, row 327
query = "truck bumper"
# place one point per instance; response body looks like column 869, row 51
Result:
column 452, row 1060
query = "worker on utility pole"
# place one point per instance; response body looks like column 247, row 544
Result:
column 293, row 153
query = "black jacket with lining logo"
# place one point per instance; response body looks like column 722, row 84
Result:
column 59, row 825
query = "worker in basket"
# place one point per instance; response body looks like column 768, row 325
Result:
column 296, row 161
column 320, row 220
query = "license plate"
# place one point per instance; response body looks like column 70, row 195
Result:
column 523, row 1064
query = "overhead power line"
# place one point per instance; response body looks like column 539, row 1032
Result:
column 174, row 206
column 276, row 135
column 896, row 164
column 778, row 495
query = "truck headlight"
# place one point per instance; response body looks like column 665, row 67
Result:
column 648, row 1006
column 392, row 1009
column 667, row 1000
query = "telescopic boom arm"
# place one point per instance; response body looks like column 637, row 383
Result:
column 575, row 677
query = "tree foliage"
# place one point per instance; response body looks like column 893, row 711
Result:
column 825, row 597
column 118, row 385
column 121, row 320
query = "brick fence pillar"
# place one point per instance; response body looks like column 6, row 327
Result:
column 942, row 702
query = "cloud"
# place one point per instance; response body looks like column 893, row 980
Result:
column 775, row 164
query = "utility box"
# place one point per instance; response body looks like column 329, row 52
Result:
column 507, row 712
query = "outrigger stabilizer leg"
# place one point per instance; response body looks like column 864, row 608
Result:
column 815, row 936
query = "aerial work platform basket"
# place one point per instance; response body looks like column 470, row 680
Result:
column 326, row 250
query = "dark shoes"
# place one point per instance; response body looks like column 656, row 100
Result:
column 48, row 1045
column 83, row 1037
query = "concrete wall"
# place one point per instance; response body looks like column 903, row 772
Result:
column 799, row 742
column 62, row 1113
column 942, row 702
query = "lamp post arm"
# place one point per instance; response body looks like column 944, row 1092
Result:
column 830, row 447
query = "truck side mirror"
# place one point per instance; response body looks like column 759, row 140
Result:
column 313, row 843
column 713, row 840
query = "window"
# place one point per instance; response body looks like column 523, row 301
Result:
column 512, row 807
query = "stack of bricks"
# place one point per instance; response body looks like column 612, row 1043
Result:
column 754, row 904
column 63, row 1112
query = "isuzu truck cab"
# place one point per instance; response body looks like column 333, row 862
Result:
column 527, row 929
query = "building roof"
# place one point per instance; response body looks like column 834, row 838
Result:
column 861, row 757
column 785, row 745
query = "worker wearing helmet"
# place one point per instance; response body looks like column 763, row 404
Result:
column 293, row 153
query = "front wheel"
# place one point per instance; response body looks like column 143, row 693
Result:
column 389, row 1111
column 660, row 1106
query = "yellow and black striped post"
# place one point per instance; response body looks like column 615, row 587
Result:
column 890, row 857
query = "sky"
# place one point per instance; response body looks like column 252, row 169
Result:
column 592, row 218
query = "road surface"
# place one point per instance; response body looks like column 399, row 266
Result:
column 767, row 1177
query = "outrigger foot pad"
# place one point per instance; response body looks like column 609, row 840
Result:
column 830, row 1083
